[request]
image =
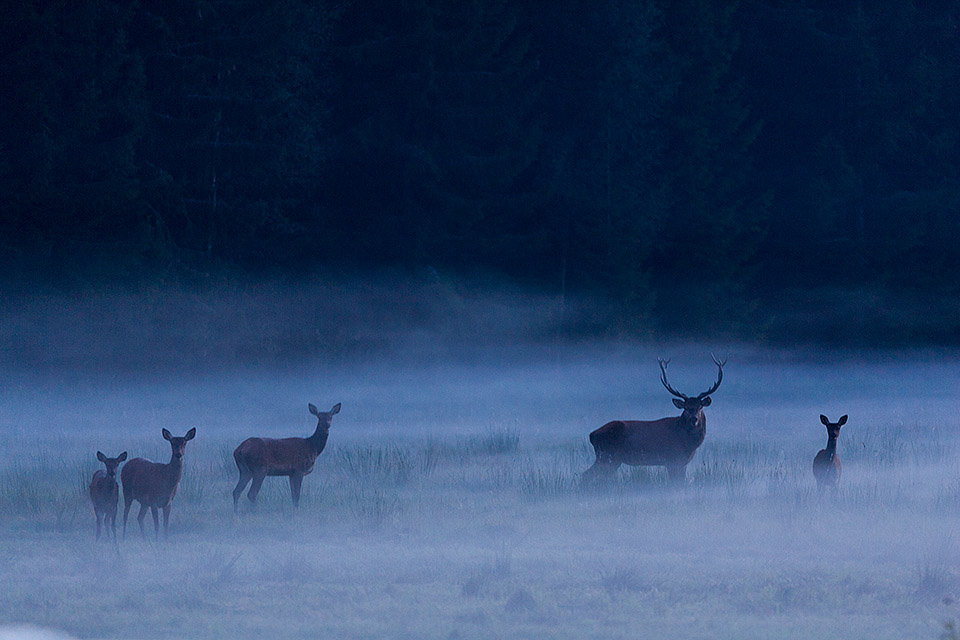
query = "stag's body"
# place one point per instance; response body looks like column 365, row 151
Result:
column 258, row 458
column 104, row 492
column 669, row 442
column 826, row 464
column 154, row 484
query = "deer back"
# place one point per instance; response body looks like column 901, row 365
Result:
column 279, row 456
column 151, row 483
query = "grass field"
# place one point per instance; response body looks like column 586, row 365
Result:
column 448, row 505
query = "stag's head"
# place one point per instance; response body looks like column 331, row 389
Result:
column 833, row 428
column 692, row 406
column 324, row 418
column 179, row 445
column 111, row 463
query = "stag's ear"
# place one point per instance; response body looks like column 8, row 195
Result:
column 706, row 402
column 313, row 409
column 678, row 403
column 122, row 457
column 101, row 457
column 335, row 410
column 166, row 434
column 191, row 434
column 843, row 420
column 824, row 420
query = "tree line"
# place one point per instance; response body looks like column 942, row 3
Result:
column 680, row 159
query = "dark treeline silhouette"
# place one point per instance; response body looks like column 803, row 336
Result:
column 691, row 162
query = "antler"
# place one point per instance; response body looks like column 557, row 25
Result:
column 716, row 384
column 663, row 378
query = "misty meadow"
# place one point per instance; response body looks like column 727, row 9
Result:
column 417, row 266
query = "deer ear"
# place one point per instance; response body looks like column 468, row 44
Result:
column 122, row 457
column 824, row 420
column 678, row 403
column 313, row 409
column 843, row 420
column 335, row 410
column 190, row 434
column 101, row 457
column 706, row 402
column 166, row 434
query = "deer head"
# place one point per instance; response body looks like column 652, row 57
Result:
column 111, row 463
column 833, row 428
column 691, row 406
column 324, row 418
column 179, row 445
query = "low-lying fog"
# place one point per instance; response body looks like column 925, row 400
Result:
column 447, row 503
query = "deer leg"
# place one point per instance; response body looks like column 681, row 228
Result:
column 166, row 519
column 140, row 516
column 126, row 512
column 255, row 487
column 677, row 473
column 296, row 480
column 156, row 521
column 245, row 477
column 604, row 467
column 113, row 524
column 99, row 520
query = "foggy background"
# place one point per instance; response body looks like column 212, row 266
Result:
column 477, row 225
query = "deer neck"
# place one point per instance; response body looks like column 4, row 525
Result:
column 319, row 439
column 175, row 467
column 831, row 446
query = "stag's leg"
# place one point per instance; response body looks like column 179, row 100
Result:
column 156, row 521
column 255, row 487
column 245, row 477
column 140, row 516
column 604, row 467
column 677, row 473
column 296, row 480
column 126, row 511
column 166, row 520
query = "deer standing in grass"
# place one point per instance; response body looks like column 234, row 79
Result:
column 258, row 458
column 153, row 484
column 104, row 492
column 826, row 466
column 669, row 442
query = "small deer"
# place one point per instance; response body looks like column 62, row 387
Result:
column 669, row 442
column 258, row 458
column 153, row 484
column 104, row 493
column 826, row 465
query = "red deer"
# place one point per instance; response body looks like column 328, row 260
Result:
column 258, row 458
column 669, row 442
column 826, row 466
column 104, row 493
column 153, row 484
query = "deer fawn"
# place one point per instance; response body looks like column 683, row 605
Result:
column 669, row 442
column 154, row 484
column 104, row 493
column 826, row 466
column 258, row 458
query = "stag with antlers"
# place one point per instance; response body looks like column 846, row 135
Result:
column 669, row 442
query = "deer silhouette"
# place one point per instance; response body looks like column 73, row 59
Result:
column 154, row 484
column 258, row 458
column 826, row 465
column 669, row 442
column 104, row 492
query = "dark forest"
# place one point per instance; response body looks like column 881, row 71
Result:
column 698, row 167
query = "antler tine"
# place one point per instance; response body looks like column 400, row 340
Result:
column 663, row 378
column 716, row 384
